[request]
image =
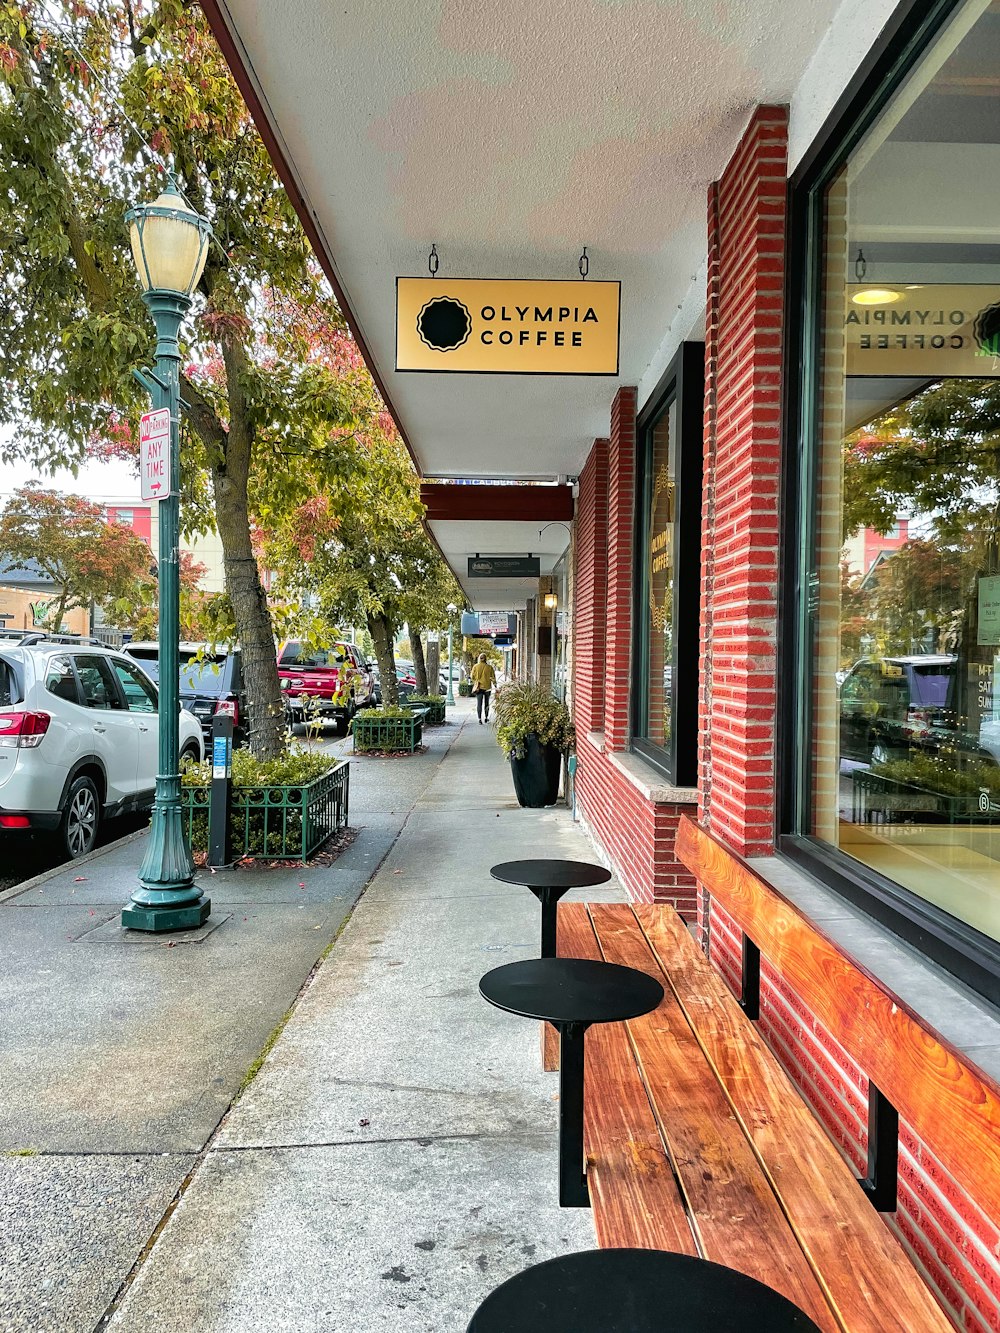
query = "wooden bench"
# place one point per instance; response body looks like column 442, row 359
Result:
column 698, row 1142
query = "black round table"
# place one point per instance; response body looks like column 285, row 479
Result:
column 548, row 880
column 571, row 993
column 636, row 1291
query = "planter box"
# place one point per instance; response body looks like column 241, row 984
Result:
column 278, row 822
column 372, row 731
column 436, row 709
column 879, row 800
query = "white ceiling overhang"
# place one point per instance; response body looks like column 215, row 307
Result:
column 511, row 133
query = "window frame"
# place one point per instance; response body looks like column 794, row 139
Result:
column 683, row 383
column 972, row 957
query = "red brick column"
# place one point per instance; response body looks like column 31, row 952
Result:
column 746, row 263
column 590, row 590
column 621, row 487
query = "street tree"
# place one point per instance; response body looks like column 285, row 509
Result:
column 95, row 107
column 88, row 559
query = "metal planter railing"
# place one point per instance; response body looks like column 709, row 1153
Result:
column 883, row 800
column 373, row 731
column 434, row 704
column 276, row 822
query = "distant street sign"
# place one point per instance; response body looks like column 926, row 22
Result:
column 154, row 454
column 504, row 567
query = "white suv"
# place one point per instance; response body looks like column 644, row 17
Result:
column 78, row 737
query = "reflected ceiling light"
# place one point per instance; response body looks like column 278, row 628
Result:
column 871, row 295
column 876, row 296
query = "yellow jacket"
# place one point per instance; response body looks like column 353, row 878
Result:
column 483, row 677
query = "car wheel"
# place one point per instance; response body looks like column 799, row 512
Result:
column 81, row 818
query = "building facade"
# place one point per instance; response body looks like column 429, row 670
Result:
column 775, row 606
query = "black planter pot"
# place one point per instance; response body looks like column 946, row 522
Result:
column 536, row 776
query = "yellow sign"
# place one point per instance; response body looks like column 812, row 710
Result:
column 931, row 331
column 506, row 326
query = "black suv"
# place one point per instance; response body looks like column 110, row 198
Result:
column 211, row 682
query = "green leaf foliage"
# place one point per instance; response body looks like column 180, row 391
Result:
column 524, row 709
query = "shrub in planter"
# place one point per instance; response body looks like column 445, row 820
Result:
column 465, row 688
column 284, row 807
column 387, row 729
column 535, row 732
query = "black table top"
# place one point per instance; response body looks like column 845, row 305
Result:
column 571, row 990
column 546, row 874
column 636, row 1291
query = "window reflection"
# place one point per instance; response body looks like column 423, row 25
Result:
column 906, row 705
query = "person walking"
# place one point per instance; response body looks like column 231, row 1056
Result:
column 484, row 678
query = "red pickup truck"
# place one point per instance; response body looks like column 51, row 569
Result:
column 336, row 681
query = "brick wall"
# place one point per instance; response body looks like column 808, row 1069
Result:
column 746, row 249
column 950, row 1239
column 590, row 590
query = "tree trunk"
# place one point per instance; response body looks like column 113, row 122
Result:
column 381, row 631
column 266, row 707
column 434, row 666
column 419, row 665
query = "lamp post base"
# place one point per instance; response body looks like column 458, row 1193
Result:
column 157, row 919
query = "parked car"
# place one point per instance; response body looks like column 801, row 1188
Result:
column 78, row 738
column 337, row 680
column 892, row 705
column 211, row 682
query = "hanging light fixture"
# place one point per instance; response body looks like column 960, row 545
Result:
column 871, row 295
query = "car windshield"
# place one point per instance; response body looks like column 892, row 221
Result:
column 933, row 685
column 148, row 659
column 204, row 674
column 294, row 655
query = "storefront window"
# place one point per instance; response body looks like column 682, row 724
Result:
column 668, row 567
column 904, row 586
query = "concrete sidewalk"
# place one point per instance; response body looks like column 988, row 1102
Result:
column 395, row 1158
column 120, row 1053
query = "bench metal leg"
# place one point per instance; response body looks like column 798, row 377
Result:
column 883, row 1152
column 573, row 1191
column 749, row 1000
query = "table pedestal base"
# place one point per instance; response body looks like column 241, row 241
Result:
column 573, row 1192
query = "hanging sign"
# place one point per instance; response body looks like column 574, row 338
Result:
column 507, row 326
column 933, row 330
column 504, row 567
column 154, row 454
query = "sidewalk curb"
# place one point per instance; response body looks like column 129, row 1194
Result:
column 16, row 890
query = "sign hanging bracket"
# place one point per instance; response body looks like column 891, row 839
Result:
column 149, row 380
column 584, row 265
column 433, row 261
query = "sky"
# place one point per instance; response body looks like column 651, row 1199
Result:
column 108, row 481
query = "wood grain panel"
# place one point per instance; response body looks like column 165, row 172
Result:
column 953, row 1106
column 633, row 1192
column 735, row 1211
column 871, row 1282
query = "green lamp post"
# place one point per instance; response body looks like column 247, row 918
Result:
column 450, row 698
column 169, row 244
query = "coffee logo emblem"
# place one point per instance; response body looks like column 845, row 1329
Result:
column 987, row 330
column 444, row 324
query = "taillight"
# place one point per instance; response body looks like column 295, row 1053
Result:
column 228, row 708
column 15, row 821
column 23, row 731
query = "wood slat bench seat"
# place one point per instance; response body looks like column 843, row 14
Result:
column 697, row 1141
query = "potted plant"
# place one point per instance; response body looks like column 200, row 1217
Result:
column 535, row 733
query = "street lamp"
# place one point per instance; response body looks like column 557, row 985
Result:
column 450, row 696
column 169, row 243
